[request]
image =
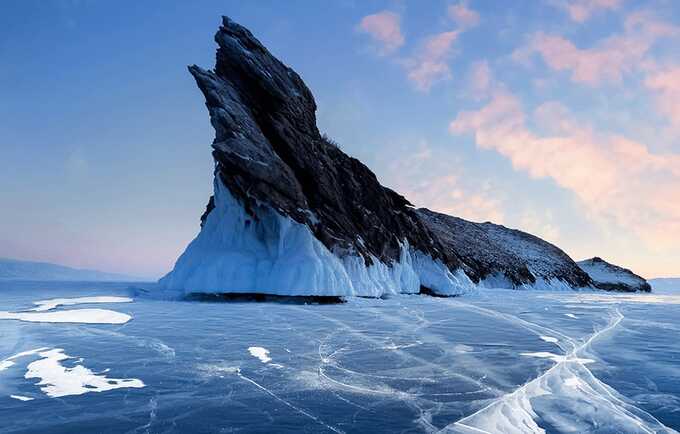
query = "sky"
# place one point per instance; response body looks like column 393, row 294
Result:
column 557, row 117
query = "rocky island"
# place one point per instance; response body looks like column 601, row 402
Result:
column 293, row 215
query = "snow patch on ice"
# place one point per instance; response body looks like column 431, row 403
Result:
column 549, row 339
column 260, row 353
column 461, row 348
column 9, row 361
column 557, row 358
column 272, row 254
column 571, row 315
column 57, row 380
column 79, row 316
column 45, row 305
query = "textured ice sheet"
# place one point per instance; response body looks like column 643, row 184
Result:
column 407, row 363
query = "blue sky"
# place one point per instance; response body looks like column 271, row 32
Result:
column 557, row 117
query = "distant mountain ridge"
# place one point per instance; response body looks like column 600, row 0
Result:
column 14, row 269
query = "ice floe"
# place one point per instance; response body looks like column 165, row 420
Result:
column 44, row 305
column 550, row 339
column 10, row 361
column 57, row 380
column 21, row 397
column 261, row 353
column 557, row 357
column 80, row 316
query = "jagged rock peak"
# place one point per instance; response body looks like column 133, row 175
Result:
column 269, row 151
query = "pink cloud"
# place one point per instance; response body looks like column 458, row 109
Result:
column 616, row 179
column 480, row 78
column 430, row 64
column 385, row 29
column 581, row 10
column 607, row 62
column 463, row 16
column 665, row 83
column 436, row 180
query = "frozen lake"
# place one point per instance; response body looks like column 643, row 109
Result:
column 495, row 361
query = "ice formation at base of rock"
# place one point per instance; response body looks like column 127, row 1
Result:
column 272, row 254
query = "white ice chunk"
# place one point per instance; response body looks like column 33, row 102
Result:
column 58, row 380
column 550, row 339
column 571, row 315
column 557, row 358
column 22, row 398
column 9, row 361
column 44, row 305
column 80, row 316
column 260, row 353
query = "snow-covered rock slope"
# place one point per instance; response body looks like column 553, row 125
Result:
column 613, row 278
column 496, row 256
column 292, row 214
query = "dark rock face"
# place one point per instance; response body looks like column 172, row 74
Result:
column 268, row 150
column 610, row 277
column 487, row 249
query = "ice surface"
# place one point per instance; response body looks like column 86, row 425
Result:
column 83, row 316
column 58, row 380
column 490, row 361
column 21, row 398
column 584, row 401
column 44, row 305
column 272, row 254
